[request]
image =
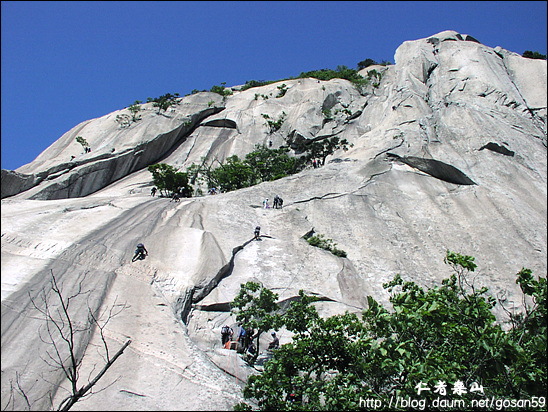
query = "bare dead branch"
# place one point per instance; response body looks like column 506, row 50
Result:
column 61, row 333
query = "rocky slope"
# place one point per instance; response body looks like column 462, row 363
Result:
column 449, row 153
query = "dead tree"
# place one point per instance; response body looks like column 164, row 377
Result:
column 62, row 333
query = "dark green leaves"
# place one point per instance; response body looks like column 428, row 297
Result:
column 446, row 333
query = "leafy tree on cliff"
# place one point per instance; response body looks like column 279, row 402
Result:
column 255, row 306
column 167, row 178
column 533, row 55
column 134, row 109
column 164, row 102
column 320, row 149
column 271, row 164
column 445, row 335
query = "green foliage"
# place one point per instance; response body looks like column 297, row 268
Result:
column 320, row 149
column 327, row 114
column 342, row 72
column 274, row 125
column 261, row 165
column 533, row 55
column 222, row 90
column 164, row 102
column 271, row 164
column 282, row 89
column 255, row 83
column 167, row 178
column 327, row 244
column 255, row 306
column 374, row 77
column 82, row 141
column 232, row 175
column 442, row 334
column 366, row 63
column 124, row 120
column 134, row 109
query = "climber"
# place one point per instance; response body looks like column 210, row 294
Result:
column 241, row 334
column 153, row 191
column 278, row 202
column 257, row 232
column 248, row 341
column 140, row 252
column 275, row 344
column 226, row 334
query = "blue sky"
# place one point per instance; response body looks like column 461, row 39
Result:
column 67, row 62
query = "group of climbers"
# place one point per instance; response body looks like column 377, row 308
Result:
column 244, row 339
column 278, row 203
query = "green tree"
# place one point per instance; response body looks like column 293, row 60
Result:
column 164, row 102
column 320, row 149
column 167, row 178
column 274, row 125
column 271, row 164
column 366, row 63
column 222, row 90
column 134, row 109
column 255, row 306
column 533, row 55
column 232, row 175
column 282, row 89
column 444, row 334
column 82, row 141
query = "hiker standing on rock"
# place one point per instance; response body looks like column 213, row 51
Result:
column 257, row 232
column 226, row 334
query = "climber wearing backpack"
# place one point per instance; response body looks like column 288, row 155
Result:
column 140, row 252
column 226, row 334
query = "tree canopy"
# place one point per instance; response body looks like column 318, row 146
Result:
column 167, row 178
column 437, row 343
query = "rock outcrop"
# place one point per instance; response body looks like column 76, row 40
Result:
column 449, row 153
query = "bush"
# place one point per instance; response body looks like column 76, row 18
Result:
column 326, row 244
column 222, row 90
column 255, row 83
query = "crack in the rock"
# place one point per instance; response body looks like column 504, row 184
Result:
column 194, row 295
column 390, row 148
column 333, row 196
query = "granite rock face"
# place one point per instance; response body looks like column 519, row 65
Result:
column 449, row 153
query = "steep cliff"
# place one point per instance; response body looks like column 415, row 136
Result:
column 449, row 153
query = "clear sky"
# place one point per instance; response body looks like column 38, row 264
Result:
column 70, row 61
